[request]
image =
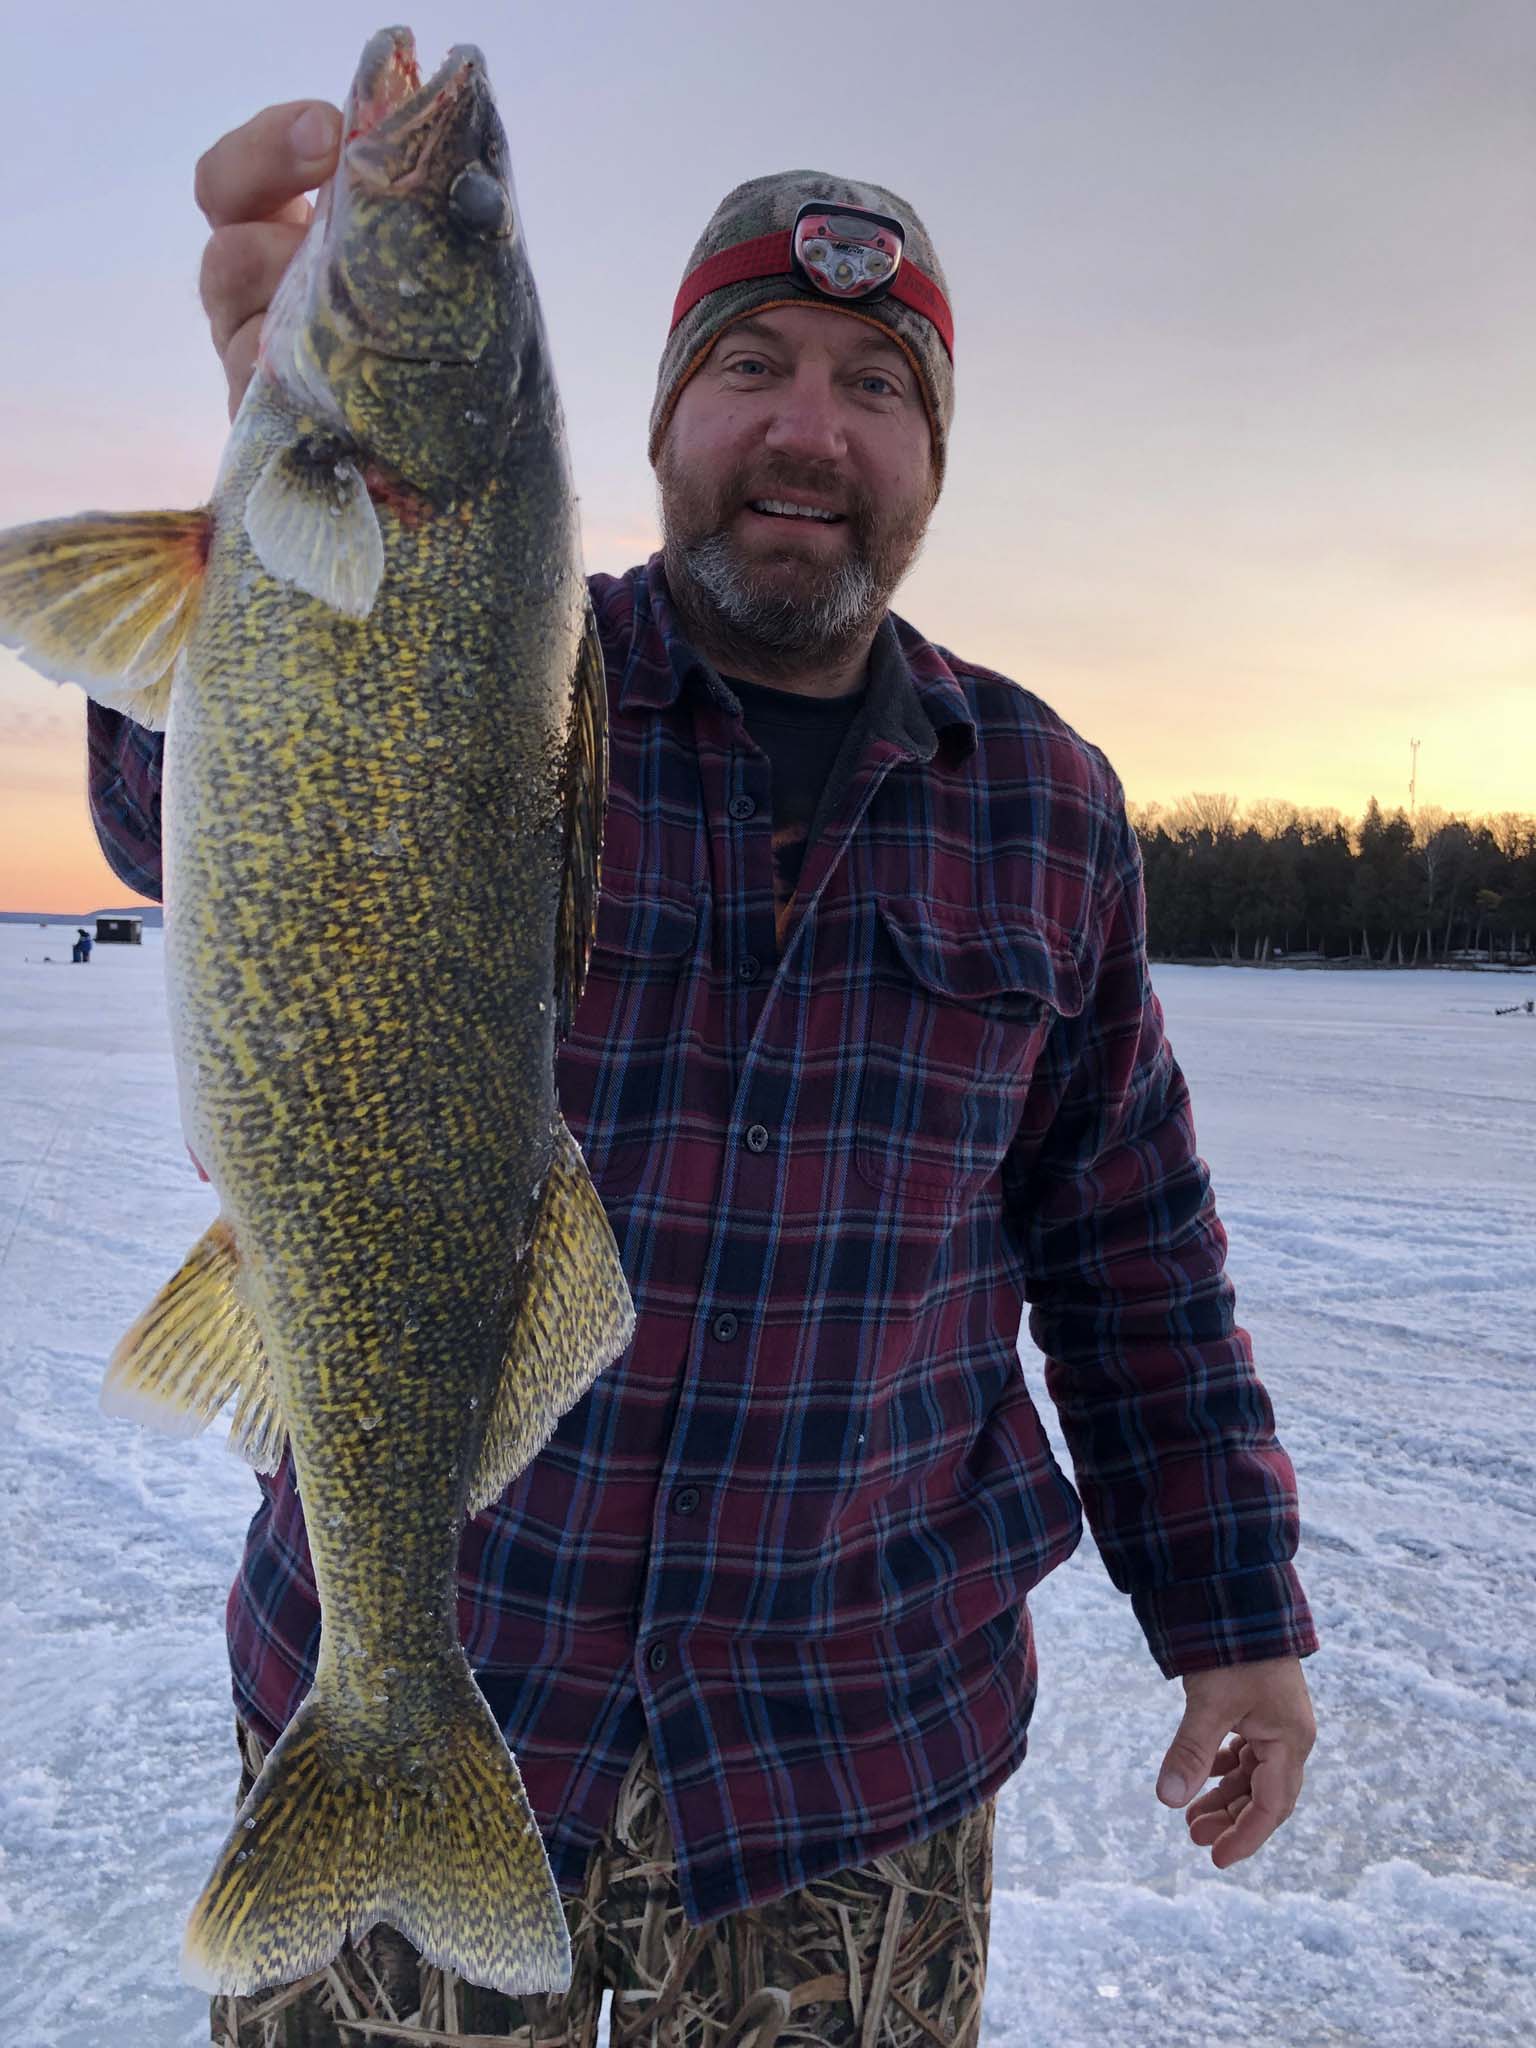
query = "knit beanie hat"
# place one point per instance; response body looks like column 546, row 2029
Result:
column 742, row 264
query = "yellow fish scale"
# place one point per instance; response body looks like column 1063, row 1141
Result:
column 364, row 847
column 385, row 767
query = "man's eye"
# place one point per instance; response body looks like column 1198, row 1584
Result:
column 748, row 363
column 879, row 377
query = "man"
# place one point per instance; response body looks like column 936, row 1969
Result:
column 868, row 1055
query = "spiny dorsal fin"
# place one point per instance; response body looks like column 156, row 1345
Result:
column 576, row 1317
column 586, row 782
column 106, row 600
column 312, row 523
column 195, row 1347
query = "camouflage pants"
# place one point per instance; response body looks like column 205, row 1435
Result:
column 889, row 1955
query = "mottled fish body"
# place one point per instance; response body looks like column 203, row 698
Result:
column 385, row 769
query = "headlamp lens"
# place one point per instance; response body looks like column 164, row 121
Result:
column 844, row 252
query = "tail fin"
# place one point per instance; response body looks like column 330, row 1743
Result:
column 336, row 1834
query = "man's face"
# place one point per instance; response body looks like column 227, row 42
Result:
column 796, row 407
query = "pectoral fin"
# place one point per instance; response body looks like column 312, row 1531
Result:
column 312, row 523
column 106, row 600
column 576, row 1317
column 194, row 1348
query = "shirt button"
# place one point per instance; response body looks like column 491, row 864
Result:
column 757, row 1138
column 725, row 1327
column 741, row 807
column 685, row 1500
column 749, row 968
column 656, row 1656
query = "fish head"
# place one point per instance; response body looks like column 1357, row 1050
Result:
column 408, row 321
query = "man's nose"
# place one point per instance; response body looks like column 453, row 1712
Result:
column 807, row 421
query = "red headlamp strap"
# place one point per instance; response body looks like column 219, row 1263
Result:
column 770, row 256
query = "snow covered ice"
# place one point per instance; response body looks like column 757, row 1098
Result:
column 1372, row 1139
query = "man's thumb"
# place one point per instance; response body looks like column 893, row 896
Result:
column 1190, row 1756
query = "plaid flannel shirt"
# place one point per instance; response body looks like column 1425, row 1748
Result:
column 792, row 1530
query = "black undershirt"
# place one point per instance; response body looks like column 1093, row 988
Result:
column 801, row 737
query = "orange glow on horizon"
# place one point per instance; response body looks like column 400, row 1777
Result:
column 1328, row 739
column 50, row 861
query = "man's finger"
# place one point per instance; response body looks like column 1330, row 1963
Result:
column 1191, row 1756
column 1209, row 1829
column 243, row 265
column 240, row 360
column 1275, row 1789
column 1247, row 1835
column 1232, row 1785
column 262, row 171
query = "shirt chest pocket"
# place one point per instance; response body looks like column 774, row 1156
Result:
column 618, row 1068
column 959, row 1009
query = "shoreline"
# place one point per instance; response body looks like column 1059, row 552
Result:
column 1357, row 966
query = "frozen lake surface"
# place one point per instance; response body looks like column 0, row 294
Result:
column 1373, row 1140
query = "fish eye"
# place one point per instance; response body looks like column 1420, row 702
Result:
column 477, row 200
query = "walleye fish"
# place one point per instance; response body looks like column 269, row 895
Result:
column 383, row 699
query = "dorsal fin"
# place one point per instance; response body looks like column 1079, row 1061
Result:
column 586, row 786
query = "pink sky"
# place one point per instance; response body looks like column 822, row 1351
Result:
column 1241, row 479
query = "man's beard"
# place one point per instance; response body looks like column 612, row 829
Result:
column 752, row 614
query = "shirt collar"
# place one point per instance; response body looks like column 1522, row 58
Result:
column 915, row 699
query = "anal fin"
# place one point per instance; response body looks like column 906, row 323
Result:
column 576, row 1317
column 195, row 1348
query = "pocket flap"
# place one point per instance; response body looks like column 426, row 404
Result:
column 983, row 960
column 647, row 926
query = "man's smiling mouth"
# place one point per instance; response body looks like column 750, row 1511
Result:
column 781, row 508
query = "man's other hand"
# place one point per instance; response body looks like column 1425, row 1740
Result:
column 1269, row 1710
column 250, row 187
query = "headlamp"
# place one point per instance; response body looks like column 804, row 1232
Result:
column 843, row 253
column 846, row 252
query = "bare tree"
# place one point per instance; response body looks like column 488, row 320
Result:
column 1430, row 843
column 1205, row 811
column 1272, row 816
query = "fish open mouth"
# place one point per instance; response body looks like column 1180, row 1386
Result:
column 388, row 88
column 395, row 128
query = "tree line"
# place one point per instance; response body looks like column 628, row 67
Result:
column 1269, row 879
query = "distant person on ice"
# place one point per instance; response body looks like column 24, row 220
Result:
column 80, row 953
column 868, row 1057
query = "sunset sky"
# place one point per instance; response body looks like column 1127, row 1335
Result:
column 1243, row 473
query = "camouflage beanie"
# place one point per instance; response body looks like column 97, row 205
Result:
column 741, row 264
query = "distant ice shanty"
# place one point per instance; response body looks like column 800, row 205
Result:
column 120, row 931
